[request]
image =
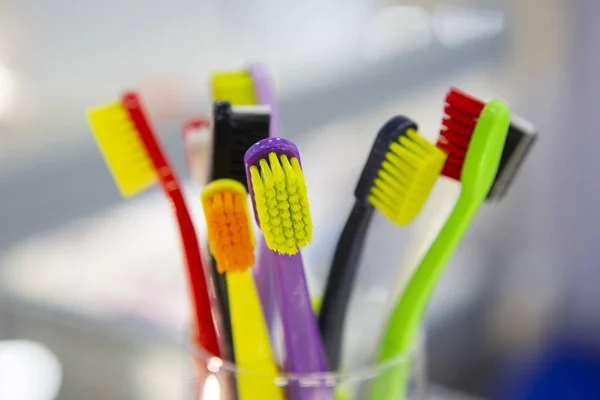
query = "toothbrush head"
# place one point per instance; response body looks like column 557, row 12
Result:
column 400, row 171
column 278, row 193
column 119, row 129
column 458, row 124
column 520, row 139
column 236, row 87
column 197, row 143
column 485, row 150
column 235, row 130
column 230, row 234
column 462, row 112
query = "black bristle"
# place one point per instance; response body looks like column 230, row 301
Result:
column 388, row 133
column 235, row 130
column 520, row 138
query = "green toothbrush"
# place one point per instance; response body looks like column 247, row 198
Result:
column 473, row 135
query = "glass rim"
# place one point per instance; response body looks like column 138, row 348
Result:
column 215, row 364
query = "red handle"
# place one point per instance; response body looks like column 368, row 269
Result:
column 206, row 330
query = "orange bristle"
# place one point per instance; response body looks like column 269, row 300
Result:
column 458, row 124
column 230, row 235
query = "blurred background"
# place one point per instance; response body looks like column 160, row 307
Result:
column 92, row 291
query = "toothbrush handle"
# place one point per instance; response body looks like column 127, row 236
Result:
column 251, row 340
column 263, row 276
column 341, row 281
column 304, row 351
column 408, row 312
column 222, row 295
column 265, row 93
column 205, row 326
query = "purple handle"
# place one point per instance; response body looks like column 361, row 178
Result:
column 263, row 278
column 304, row 352
column 265, row 94
column 262, row 271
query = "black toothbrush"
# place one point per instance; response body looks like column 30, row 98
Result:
column 236, row 128
column 348, row 251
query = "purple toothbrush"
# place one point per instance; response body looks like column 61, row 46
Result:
column 278, row 193
column 265, row 94
column 262, row 270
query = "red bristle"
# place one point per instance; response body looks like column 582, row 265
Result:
column 452, row 148
column 456, row 160
column 458, row 124
column 464, row 101
column 458, row 115
column 451, row 171
column 456, row 129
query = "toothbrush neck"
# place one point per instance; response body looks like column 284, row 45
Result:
column 168, row 181
column 363, row 207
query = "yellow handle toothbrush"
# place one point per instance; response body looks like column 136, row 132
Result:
column 231, row 241
column 231, row 137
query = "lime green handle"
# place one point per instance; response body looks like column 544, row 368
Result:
column 407, row 315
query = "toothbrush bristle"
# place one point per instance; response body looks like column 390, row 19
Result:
column 236, row 87
column 281, row 203
column 235, row 130
column 458, row 124
column 120, row 142
column 406, row 177
column 230, row 234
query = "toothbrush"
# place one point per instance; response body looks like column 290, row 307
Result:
column 474, row 138
column 265, row 94
column 235, row 130
column 519, row 140
column 197, row 141
column 253, row 86
column 231, row 241
column 136, row 160
column 235, row 88
column 396, row 180
column 278, row 193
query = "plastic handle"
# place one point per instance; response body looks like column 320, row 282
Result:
column 266, row 94
column 251, row 340
column 341, row 281
column 408, row 313
column 304, row 351
column 263, row 277
column 206, row 330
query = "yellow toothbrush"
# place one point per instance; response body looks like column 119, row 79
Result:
column 231, row 241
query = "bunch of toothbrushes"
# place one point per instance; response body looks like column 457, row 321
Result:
column 258, row 220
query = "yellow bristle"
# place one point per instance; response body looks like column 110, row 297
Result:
column 406, row 177
column 236, row 87
column 122, row 148
column 281, row 203
column 230, row 234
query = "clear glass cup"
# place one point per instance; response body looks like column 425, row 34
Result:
column 215, row 379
